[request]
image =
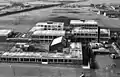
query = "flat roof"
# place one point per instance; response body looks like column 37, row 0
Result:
column 91, row 22
column 76, row 49
column 57, row 40
column 50, row 23
column 35, row 28
column 105, row 31
column 76, row 45
column 5, row 32
column 80, row 30
column 49, row 33
column 37, row 55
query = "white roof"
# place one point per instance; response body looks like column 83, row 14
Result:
column 105, row 31
column 57, row 40
column 21, row 54
column 83, row 22
column 36, row 28
column 79, row 30
column 5, row 32
column 50, row 23
column 76, row 45
column 49, row 33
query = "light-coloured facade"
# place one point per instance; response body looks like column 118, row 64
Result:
column 48, row 26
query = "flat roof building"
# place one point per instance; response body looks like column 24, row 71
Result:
column 76, row 50
column 48, row 33
column 80, row 34
column 104, row 34
column 84, row 23
column 84, row 30
column 50, row 25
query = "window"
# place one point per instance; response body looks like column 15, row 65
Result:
column 45, row 26
column 38, row 60
column 21, row 59
column 32, row 60
column 69, row 61
column 66, row 60
column 50, row 60
column 60, row 60
column 44, row 60
column 59, row 26
column 8, row 59
column 25, row 59
column 55, row 60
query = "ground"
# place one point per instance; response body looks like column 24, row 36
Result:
column 40, row 70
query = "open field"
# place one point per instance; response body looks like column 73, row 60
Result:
column 32, row 70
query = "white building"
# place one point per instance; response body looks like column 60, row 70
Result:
column 48, row 26
column 76, row 50
column 84, row 23
column 47, row 35
column 104, row 34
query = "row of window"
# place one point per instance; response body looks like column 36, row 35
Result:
column 53, row 29
column 84, row 25
column 104, row 35
column 49, row 37
column 36, row 60
column 50, row 26
column 78, row 34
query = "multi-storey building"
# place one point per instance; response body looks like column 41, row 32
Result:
column 104, row 34
column 80, row 34
column 84, row 30
column 47, row 31
column 48, row 26
column 87, row 24
column 46, row 35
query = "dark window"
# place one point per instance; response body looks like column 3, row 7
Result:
column 32, row 59
column 25, row 59
column 70, row 61
column 44, row 60
column 55, row 60
column 65, row 60
column 3, row 59
column 9, row 59
column 21, row 59
column 60, row 60
column 50, row 60
column 38, row 60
